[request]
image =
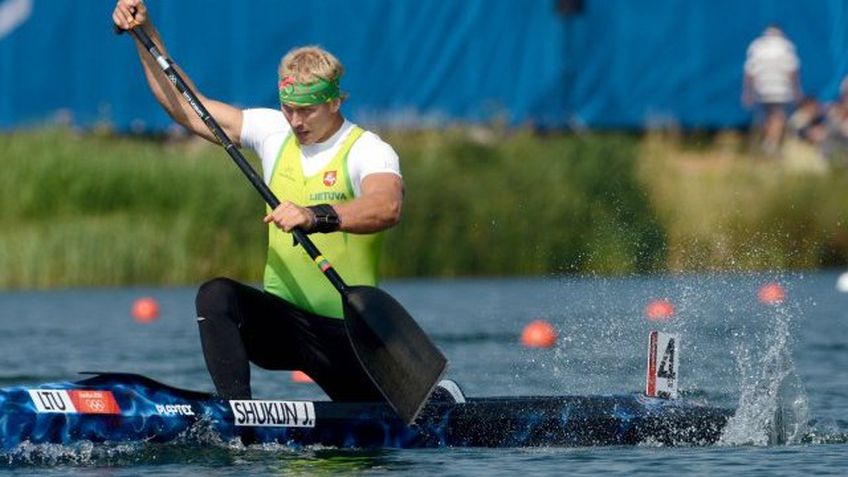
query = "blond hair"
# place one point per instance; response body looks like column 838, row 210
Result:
column 308, row 63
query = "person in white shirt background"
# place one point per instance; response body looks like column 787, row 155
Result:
column 772, row 84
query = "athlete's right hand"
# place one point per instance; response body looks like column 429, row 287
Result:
column 129, row 14
column 289, row 216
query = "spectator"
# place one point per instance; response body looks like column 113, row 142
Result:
column 836, row 144
column 771, row 84
column 809, row 123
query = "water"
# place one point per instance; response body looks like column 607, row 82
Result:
column 735, row 352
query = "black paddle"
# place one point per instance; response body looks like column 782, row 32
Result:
column 399, row 357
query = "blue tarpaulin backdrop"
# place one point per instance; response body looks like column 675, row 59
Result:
column 616, row 63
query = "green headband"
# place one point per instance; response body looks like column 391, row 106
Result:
column 308, row 94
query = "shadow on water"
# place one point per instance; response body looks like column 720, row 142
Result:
column 272, row 458
column 467, row 338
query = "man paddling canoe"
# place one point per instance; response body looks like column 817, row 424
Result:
column 333, row 178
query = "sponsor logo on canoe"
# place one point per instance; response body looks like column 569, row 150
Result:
column 174, row 410
column 327, row 196
column 75, row 401
column 330, row 178
column 273, row 413
column 94, row 402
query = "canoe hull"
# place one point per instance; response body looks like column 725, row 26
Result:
column 113, row 407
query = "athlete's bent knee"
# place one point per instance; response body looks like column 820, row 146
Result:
column 216, row 297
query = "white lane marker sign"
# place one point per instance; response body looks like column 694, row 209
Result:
column 663, row 362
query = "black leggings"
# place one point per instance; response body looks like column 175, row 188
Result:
column 241, row 325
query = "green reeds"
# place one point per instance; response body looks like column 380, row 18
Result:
column 96, row 209
column 91, row 209
column 521, row 204
column 723, row 209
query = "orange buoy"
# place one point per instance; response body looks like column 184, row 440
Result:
column 300, row 377
column 659, row 310
column 771, row 294
column 145, row 310
column 538, row 334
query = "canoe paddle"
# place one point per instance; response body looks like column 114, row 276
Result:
column 398, row 356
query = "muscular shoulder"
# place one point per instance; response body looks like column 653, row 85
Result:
column 260, row 124
column 371, row 154
column 264, row 130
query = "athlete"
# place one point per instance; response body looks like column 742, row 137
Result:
column 334, row 180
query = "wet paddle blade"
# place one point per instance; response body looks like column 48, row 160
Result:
column 396, row 353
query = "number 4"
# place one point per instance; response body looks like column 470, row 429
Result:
column 667, row 364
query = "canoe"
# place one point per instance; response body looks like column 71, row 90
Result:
column 120, row 408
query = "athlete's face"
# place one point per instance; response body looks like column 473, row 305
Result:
column 312, row 124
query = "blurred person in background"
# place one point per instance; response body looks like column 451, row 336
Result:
column 808, row 122
column 836, row 144
column 333, row 178
column 772, row 84
column 803, row 149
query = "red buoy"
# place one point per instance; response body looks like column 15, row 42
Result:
column 539, row 334
column 145, row 310
column 771, row 294
column 659, row 310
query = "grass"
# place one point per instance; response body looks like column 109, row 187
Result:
column 103, row 210
column 521, row 204
column 98, row 209
column 723, row 209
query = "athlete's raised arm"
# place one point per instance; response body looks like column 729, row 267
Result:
column 133, row 13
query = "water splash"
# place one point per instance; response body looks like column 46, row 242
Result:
column 773, row 405
column 78, row 454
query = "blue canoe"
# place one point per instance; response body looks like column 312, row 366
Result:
column 116, row 408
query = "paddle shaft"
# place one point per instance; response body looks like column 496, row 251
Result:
column 167, row 67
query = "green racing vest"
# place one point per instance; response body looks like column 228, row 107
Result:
column 289, row 271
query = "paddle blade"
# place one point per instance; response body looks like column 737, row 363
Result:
column 396, row 353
